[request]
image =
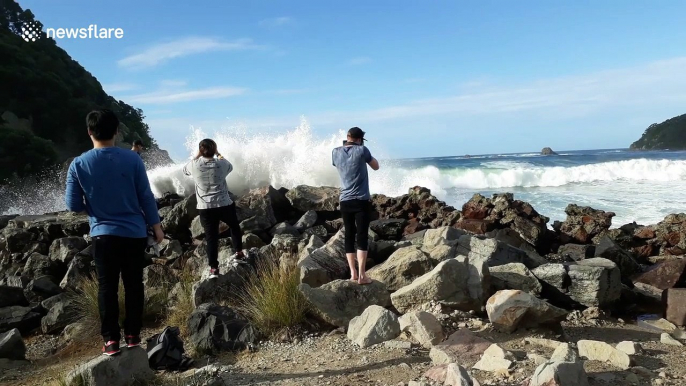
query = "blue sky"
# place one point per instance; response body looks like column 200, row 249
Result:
column 423, row 78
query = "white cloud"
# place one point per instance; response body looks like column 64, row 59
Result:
column 161, row 53
column 117, row 87
column 359, row 60
column 276, row 22
column 165, row 97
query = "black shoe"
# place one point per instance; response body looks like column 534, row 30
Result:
column 132, row 341
column 214, row 272
column 111, row 348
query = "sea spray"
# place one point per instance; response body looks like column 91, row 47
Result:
column 642, row 187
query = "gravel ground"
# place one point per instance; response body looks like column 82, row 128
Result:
column 333, row 360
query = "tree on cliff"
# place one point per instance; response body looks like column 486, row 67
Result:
column 43, row 86
column 670, row 134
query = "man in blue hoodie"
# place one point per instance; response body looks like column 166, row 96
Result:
column 110, row 184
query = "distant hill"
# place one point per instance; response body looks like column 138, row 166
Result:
column 670, row 134
column 44, row 98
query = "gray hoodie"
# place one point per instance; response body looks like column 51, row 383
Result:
column 209, row 175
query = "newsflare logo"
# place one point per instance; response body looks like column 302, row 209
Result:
column 31, row 32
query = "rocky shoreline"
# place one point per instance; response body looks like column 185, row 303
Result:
column 495, row 262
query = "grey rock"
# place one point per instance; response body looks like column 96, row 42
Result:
column 251, row 240
column 554, row 373
column 61, row 314
column 23, row 318
column 40, row 265
column 440, row 236
column 457, row 375
column 339, row 301
column 213, row 328
column 514, row 276
column 447, row 284
column 375, row 325
column 178, row 221
column 284, row 228
column 512, row 309
column 423, row 326
column 389, row 229
column 80, row 267
column 321, row 199
column 628, row 266
column 318, row 230
column 219, row 289
column 41, row 288
column 553, row 274
column 12, row 296
column 603, row 352
column 594, row 282
column 16, row 239
column 326, row 263
column 402, row 268
column 12, row 345
column 307, row 220
column 64, row 249
column 126, row 369
column 576, row 251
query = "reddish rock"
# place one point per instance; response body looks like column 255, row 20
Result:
column 673, row 238
column 478, row 227
column 668, row 274
column 584, row 223
column 674, row 251
column 674, row 300
column 474, row 211
column 437, row 373
column 644, row 251
column 462, row 347
column 419, row 204
column 413, row 226
column 645, row 233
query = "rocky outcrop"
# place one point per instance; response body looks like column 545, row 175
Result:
column 511, row 309
column 318, row 199
column 481, row 215
column 547, row 151
column 583, row 223
column 418, row 203
column 375, row 325
column 339, row 301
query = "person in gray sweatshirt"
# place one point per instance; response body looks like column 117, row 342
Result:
column 209, row 171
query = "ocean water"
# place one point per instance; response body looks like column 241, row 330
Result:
column 637, row 186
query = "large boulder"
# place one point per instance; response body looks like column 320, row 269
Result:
column 219, row 289
column 494, row 252
column 319, row 199
column 126, row 369
column 594, row 282
column 61, row 313
column 389, row 229
column 446, row 284
column 603, row 352
column 41, row 288
column 80, row 267
column 17, row 240
column 511, row 309
column 64, row 249
column 514, row 276
column 440, row 236
column 575, row 252
column 306, row 221
column 40, row 265
column 12, row 296
column 628, row 266
column 402, row 268
column 326, row 263
column 25, row 319
column 339, row 301
column 12, row 345
column 665, row 275
column 213, row 328
column 178, row 221
column 258, row 202
column 375, row 325
column 422, row 326
column 583, row 223
column 462, row 346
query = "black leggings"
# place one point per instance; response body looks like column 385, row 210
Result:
column 209, row 219
column 356, row 217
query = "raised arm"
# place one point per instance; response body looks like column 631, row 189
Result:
column 74, row 196
column 371, row 161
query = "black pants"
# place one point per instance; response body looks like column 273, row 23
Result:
column 209, row 219
column 116, row 256
column 356, row 216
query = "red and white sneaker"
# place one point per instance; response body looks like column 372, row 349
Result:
column 214, row 272
column 111, row 348
column 132, row 341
